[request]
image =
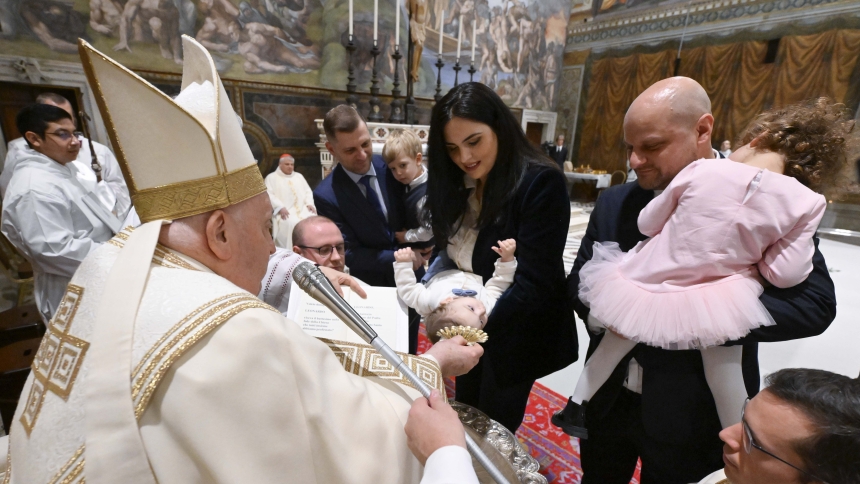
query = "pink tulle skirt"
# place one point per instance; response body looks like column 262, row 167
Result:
column 691, row 318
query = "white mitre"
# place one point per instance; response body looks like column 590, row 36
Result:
column 180, row 158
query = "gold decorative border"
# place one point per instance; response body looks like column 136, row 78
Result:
column 363, row 360
column 179, row 200
column 67, row 477
column 165, row 358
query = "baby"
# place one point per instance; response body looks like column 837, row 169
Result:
column 453, row 297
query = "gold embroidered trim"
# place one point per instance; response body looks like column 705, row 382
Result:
column 193, row 197
column 64, row 473
column 177, row 346
column 59, row 359
column 175, row 328
column 364, row 361
column 162, row 256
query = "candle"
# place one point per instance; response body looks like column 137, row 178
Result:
column 474, row 23
column 397, row 25
column 441, row 23
column 375, row 19
column 459, row 37
column 350, row 20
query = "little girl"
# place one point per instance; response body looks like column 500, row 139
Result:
column 454, row 297
column 718, row 228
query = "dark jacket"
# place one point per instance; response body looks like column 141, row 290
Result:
column 559, row 155
column 370, row 238
column 532, row 330
column 677, row 405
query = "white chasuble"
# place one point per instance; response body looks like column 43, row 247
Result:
column 293, row 193
column 224, row 388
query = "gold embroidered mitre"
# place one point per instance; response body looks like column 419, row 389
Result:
column 182, row 156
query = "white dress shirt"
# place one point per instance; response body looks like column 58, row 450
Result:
column 449, row 465
column 462, row 244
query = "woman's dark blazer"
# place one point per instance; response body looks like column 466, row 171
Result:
column 532, row 331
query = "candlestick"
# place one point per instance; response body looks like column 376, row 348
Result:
column 374, row 88
column 351, row 97
column 350, row 20
column 474, row 24
column 439, row 66
column 459, row 37
column 396, row 103
column 397, row 25
column 457, row 72
column 375, row 20
column 441, row 24
column 472, row 72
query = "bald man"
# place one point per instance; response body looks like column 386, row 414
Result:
column 657, row 404
column 318, row 239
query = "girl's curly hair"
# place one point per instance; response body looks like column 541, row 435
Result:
column 812, row 135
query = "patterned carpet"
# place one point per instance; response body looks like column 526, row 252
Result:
column 559, row 460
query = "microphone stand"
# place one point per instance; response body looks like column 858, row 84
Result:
column 314, row 282
column 97, row 167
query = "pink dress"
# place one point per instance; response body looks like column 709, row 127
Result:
column 695, row 282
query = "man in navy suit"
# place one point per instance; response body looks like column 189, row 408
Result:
column 362, row 197
column 657, row 404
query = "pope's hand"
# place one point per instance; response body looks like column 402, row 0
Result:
column 455, row 357
column 432, row 425
column 338, row 279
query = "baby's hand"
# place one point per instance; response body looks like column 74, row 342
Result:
column 403, row 255
column 506, row 249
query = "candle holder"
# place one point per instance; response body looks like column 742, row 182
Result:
column 374, row 87
column 457, row 72
column 410, row 83
column 396, row 103
column 351, row 97
column 439, row 66
column 472, row 72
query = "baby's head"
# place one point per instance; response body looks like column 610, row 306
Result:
column 402, row 154
column 455, row 311
column 811, row 136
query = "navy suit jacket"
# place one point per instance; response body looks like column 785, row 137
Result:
column 370, row 238
column 532, row 329
column 677, row 405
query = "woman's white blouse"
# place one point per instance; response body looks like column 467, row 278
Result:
column 462, row 244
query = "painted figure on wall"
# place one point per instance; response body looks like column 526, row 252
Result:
column 54, row 23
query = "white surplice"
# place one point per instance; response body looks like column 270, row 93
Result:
column 293, row 193
column 112, row 191
column 224, row 389
column 55, row 221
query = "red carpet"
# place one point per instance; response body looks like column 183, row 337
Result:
column 551, row 447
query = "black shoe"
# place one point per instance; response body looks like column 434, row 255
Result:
column 571, row 420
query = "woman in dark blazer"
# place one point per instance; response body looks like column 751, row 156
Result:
column 488, row 183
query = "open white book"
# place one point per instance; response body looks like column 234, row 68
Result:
column 382, row 310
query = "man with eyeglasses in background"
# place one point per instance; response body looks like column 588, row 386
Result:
column 48, row 213
column 318, row 239
column 803, row 428
column 112, row 191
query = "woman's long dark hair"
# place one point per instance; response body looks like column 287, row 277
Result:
column 446, row 194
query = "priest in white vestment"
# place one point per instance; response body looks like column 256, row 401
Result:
column 53, row 218
column 162, row 365
column 292, row 200
column 112, row 191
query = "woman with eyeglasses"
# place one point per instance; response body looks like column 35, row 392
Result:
column 803, row 428
column 488, row 183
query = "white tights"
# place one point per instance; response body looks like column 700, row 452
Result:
column 722, row 372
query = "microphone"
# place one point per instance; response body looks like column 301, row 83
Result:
column 312, row 280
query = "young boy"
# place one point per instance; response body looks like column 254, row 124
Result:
column 402, row 154
column 454, row 297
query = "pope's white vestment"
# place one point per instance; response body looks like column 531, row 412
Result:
column 224, row 388
column 293, row 193
column 55, row 221
column 112, row 191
